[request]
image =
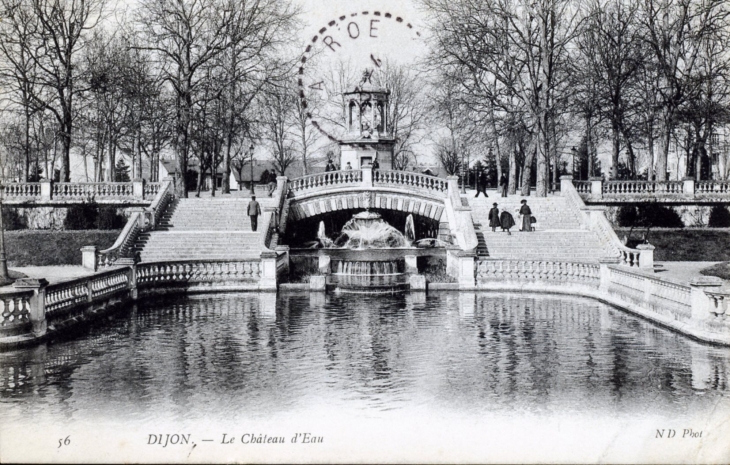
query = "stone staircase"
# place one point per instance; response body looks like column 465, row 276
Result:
column 559, row 234
column 205, row 228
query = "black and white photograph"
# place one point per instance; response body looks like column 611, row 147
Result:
column 365, row 231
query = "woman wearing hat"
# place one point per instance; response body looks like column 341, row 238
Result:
column 506, row 220
column 494, row 217
column 526, row 216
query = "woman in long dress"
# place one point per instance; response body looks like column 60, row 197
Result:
column 526, row 214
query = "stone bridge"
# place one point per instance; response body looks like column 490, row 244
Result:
column 412, row 193
column 686, row 192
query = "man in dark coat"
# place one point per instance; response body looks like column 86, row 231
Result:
column 526, row 216
column 254, row 210
column 503, row 185
column 482, row 184
column 506, row 220
column 330, row 166
column 494, row 218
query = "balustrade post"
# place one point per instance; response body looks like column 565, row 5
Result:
column 702, row 307
column 605, row 273
column 88, row 257
column 133, row 291
column 46, row 191
column 267, row 280
column 566, row 182
column 37, row 303
column 596, row 188
column 411, row 264
column 280, row 186
column 367, row 176
column 453, row 186
column 138, row 188
column 646, row 256
column 688, row 187
column 324, row 263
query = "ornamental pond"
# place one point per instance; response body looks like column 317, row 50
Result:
column 449, row 357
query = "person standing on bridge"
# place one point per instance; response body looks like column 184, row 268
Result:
column 254, row 210
column 494, row 218
column 526, row 216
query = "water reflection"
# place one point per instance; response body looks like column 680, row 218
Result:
column 229, row 355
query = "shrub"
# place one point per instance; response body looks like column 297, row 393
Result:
column 82, row 216
column 12, row 220
column 648, row 215
column 659, row 216
column 626, row 216
column 719, row 217
column 110, row 219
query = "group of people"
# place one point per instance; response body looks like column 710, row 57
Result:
column 332, row 167
column 505, row 220
column 482, row 184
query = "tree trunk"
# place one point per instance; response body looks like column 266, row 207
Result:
column 527, row 167
column 512, row 177
column 616, row 149
column 663, row 156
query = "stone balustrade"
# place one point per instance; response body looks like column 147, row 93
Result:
column 121, row 251
column 409, row 180
column 198, row 271
column 15, row 312
column 45, row 192
column 548, row 271
column 597, row 190
column 325, row 180
column 595, row 220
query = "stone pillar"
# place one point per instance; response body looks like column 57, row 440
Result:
column 417, row 282
column 566, row 182
column 37, row 302
column 324, row 263
column 411, row 264
column 462, row 264
column 367, row 176
column 280, row 185
column 138, row 188
column 453, row 186
column 88, row 257
column 702, row 305
column 688, row 187
column 46, row 189
column 267, row 281
column 133, row 291
column 317, row 283
column 605, row 273
column 646, row 256
column 596, row 188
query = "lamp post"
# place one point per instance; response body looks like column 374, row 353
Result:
column 4, row 275
column 250, row 151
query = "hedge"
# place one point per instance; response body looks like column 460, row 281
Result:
column 49, row 248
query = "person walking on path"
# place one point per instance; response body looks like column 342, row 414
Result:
column 254, row 210
column 494, row 218
column 482, row 184
column 526, row 216
column 506, row 220
column 503, row 186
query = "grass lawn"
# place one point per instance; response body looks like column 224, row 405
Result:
column 49, row 248
column 700, row 245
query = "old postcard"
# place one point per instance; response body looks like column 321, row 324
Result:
column 321, row 231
